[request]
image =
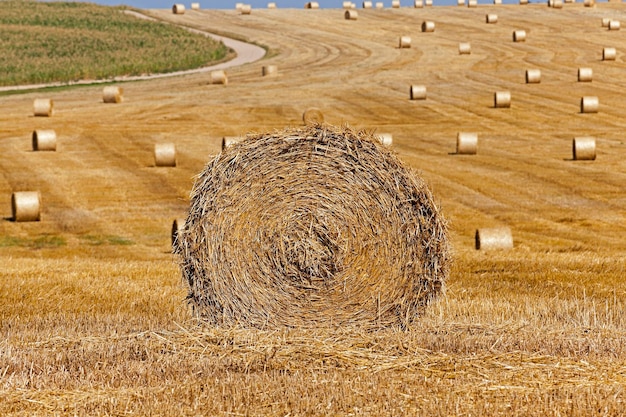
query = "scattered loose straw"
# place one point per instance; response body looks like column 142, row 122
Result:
column 312, row 226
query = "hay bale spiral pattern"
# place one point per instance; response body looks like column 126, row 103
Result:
column 312, row 226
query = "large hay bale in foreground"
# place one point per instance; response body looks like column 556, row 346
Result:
column 308, row 227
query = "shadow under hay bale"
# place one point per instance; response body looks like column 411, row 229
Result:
column 309, row 227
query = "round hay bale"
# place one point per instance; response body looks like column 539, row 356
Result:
column 491, row 18
column 605, row 22
column 395, row 4
column 313, row 116
column 178, row 9
column 44, row 140
column 523, row 1
column 460, row 2
column 590, row 3
column 178, row 227
column 585, row 74
column 465, row 48
column 466, row 143
column 112, row 94
column 502, row 99
column 379, row 5
column 43, row 107
column 589, row 104
column 164, row 155
column 25, row 206
column 195, row 6
column 351, row 14
column 584, row 148
column 405, row 42
column 385, row 138
column 557, row 4
column 218, row 77
column 614, row 25
column 497, row 1
column 428, row 3
column 346, row 5
column 228, row 141
column 472, row 3
column 312, row 5
column 428, row 26
column 533, row 76
column 271, row 5
column 312, row 227
column 417, row 92
column 246, row 9
column 609, row 54
column 269, row 70
column 418, row 4
column 367, row 4
column 238, row 6
column 519, row 36
column 494, row 238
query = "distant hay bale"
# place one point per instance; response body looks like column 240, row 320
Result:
column 614, row 25
column 367, row 4
column 491, row 18
column 418, row 4
column 557, row 4
column 195, row 6
column 585, row 74
column 25, row 206
column 589, row 104
column 584, row 148
column 312, row 5
column 218, row 77
column 271, row 5
column 346, row 5
column 311, row 227
column 417, row 92
column 465, row 48
column 178, row 9
column 497, row 1
column 238, row 6
column 502, row 99
column 313, row 116
column 112, row 94
column 523, row 2
column 178, row 227
column 519, row 36
column 428, row 3
column 380, row 5
column 533, row 76
column 460, row 2
column 428, row 26
column 395, row 4
column 43, row 107
column 228, row 141
column 466, row 143
column 351, row 14
column 609, row 54
column 164, row 155
column 44, row 140
column 405, row 42
column 590, row 3
column 269, row 70
column 605, row 22
column 246, row 9
column 494, row 238
column 472, row 3
column 385, row 138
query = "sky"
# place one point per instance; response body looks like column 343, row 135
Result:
column 230, row 4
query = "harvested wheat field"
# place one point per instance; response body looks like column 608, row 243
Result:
column 93, row 315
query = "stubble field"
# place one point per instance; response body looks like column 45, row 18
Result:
column 93, row 317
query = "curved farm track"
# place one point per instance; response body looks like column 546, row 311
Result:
column 568, row 217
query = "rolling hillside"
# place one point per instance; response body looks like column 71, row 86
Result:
column 92, row 309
